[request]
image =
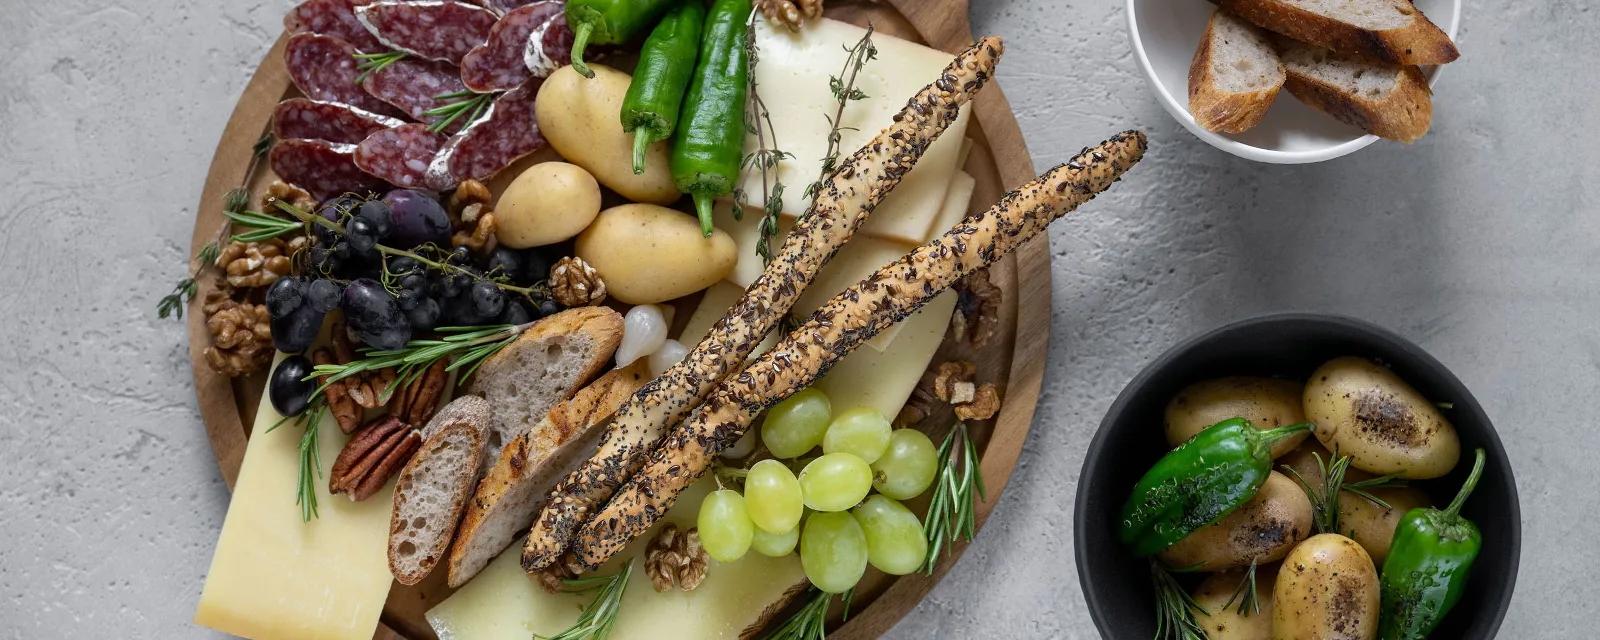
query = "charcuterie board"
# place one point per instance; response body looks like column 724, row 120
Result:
column 1012, row 359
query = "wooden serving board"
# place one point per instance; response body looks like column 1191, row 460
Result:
column 1013, row 358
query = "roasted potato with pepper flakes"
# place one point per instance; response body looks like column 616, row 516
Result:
column 1263, row 530
column 1224, row 621
column 1366, row 411
column 1327, row 589
column 1265, row 402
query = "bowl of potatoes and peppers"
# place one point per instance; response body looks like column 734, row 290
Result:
column 1293, row 477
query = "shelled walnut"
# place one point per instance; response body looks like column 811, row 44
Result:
column 790, row 13
column 480, row 236
column 241, row 334
column 254, row 264
column 950, row 383
column 280, row 190
column 977, row 316
column 675, row 557
column 574, row 283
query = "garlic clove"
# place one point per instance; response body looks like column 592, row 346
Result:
column 644, row 330
column 669, row 354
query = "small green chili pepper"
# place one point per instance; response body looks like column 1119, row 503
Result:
column 650, row 110
column 1427, row 567
column 609, row 22
column 1199, row 482
column 709, row 144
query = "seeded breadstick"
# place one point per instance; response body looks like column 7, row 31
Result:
column 847, row 198
column 852, row 317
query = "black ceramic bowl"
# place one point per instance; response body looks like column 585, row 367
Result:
column 1117, row 585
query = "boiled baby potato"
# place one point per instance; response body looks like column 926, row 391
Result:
column 1224, row 621
column 1367, row 412
column 1265, row 402
column 582, row 120
column 646, row 253
column 1370, row 524
column 1327, row 590
column 549, row 202
column 1263, row 530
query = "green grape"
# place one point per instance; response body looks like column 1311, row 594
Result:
column 906, row 469
column 725, row 528
column 797, row 424
column 861, row 431
column 775, row 545
column 833, row 551
column 895, row 542
column 772, row 496
column 835, row 482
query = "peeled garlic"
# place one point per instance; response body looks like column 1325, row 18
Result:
column 644, row 330
column 669, row 354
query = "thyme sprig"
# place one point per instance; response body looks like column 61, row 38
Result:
column 310, row 421
column 956, row 489
column 843, row 87
column 1174, row 607
column 758, row 121
column 601, row 615
column 811, row 621
column 235, row 200
column 1325, row 502
column 370, row 63
column 467, row 347
column 460, row 103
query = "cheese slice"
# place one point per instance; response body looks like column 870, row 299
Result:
column 884, row 380
column 503, row 603
column 716, row 302
column 956, row 206
column 793, row 78
column 274, row 576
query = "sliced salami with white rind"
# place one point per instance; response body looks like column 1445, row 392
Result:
column 331, row 121
column 335, row 18
column 326, row 169
column 503, row 7
column 413, row 86
column 506, row 131
column 549, row 47
column 430, row 29
column 324, row 68
column 400, row 156
column 497, row 65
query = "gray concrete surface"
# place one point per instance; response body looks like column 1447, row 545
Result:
column 1478, row 242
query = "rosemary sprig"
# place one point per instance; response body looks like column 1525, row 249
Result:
column 186, row 289
column 1174, row 607
column 601, row 615
column 463, row 102
column 843, row 87
column 955, row 494
column 371, row 63
column 1245, row 593
column 467, row 346
column 811, row 621
column 1325, row 503
column 263, row 226
column 310, row 421
column 758, row 121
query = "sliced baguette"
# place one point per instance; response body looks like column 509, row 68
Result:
column 1392, row 31
column 1385, row 100
column 508, row 497
column 546, row 365
column 1235, row 75
column 432, row 489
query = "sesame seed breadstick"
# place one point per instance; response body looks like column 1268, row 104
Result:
column 850, row 318
column 847, row 198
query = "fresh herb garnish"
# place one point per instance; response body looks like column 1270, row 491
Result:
column 601, row 615
column 811, row 621
column 843, row 87
column 235, row 200
column 371, row 63
column 1325, row 503
column 1245, row 593
column 467, row 346
column 956, row 490
column 758, row 121
column 461, row 103
column 310, row 420
column 1174, row 607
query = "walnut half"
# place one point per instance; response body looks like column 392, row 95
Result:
column 675, row 557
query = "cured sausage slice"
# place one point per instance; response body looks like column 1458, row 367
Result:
column 400, row 156
column 331, row 121
column 549, row 47
column 323, row 67
column 506, row 131
column 431, row 29
column 414, row 86
column 335, row 18
column 503, row 7
column 497, row 65
column 326, row 169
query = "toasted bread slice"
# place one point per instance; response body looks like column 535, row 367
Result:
column 1392, row 31
column 550, row 362
column 1385, row 100
column 509, row 497
column 432, row 489
column 1235, row 75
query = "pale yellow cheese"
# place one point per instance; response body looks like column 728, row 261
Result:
column 502, row 603
column 793, row 81
column 716, row 302
column 884, row 380
column 957, row 205
column 274, row 576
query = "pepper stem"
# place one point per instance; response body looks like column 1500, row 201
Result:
column 702, row 205
column 580, row 41
column 641, row 142
column 1270, row 436
column 1454, row 509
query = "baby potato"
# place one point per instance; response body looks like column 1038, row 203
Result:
column 1327, row 589
column 1265, row 402
column 1225, row 623
column 582, row 119
column 647, row 254
column 1264, row 529
column 549, row 202
column 1366, row 411
column 1371, row 525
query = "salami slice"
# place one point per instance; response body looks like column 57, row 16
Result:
column 326, row 169
column 497, row 65
column 549, row 47
column 506, row 131
column 431, row 29
column 400, row 156
column 331, row 121
column 413, row 86
column 323, row 67
column 335, row 18
column 503, row 7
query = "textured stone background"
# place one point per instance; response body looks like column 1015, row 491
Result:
column 1476, row 242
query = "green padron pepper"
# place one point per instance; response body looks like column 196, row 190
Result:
column 650, row 110
column 708, row 148
column 1199, row 482
column 609, row 22
column 1427, row 567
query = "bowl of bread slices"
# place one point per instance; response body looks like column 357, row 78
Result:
column 1354, row 71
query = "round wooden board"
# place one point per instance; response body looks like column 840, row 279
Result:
column 1013, row 358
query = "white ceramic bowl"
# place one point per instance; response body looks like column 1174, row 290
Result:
column 1164, row 35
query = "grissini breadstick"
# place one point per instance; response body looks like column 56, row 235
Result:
column 857, row 314
column 848, row 197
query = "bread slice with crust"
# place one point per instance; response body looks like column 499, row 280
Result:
column 1388, row 101
column 1392, row 31
column 432, row 489
column 1235, row 75
column 510, row 495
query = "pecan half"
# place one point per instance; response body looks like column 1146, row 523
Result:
column 415, row 402
column 348, row 396
column 376, row 452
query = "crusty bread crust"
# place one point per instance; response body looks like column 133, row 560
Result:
column 1419, row 42
column 412, row 569
column 1219, row 110
column 1402, row 114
